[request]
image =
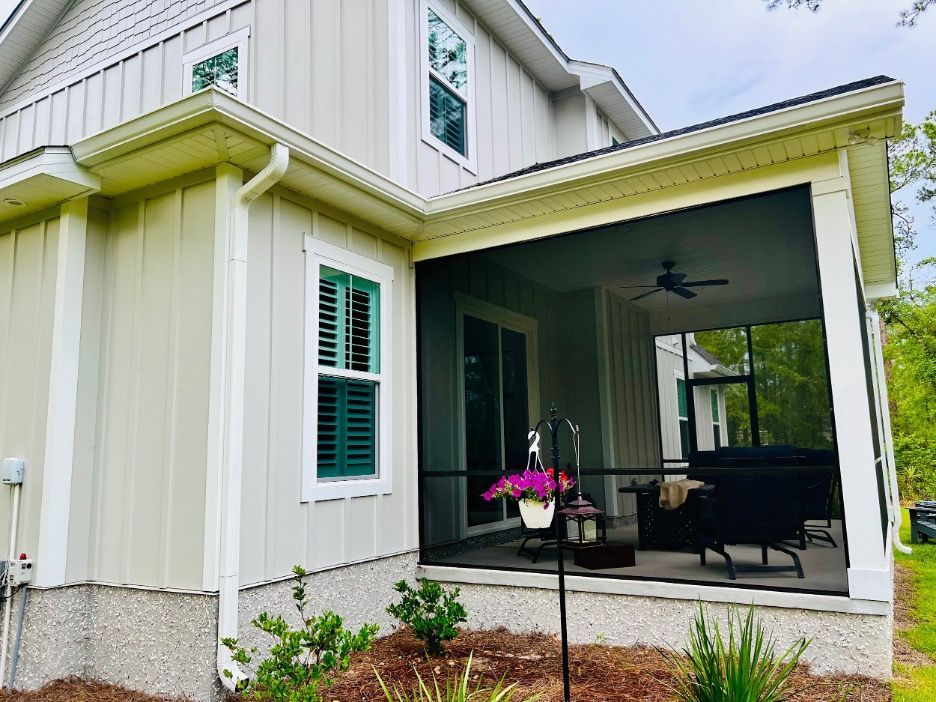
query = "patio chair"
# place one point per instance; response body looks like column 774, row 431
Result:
column 761, row 510
column 922, row 522
column 819, row 494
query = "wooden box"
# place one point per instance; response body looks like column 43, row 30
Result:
column 605, row 556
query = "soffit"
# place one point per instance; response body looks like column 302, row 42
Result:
column 41, row 179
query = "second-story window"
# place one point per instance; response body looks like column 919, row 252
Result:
column 448, row 89
column 220, row 64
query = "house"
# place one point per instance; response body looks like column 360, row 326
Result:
column 286, row 282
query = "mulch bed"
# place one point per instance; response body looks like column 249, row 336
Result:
column 598, row 673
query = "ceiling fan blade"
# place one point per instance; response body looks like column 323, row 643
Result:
column 638, row 286
column 645, row 294
column 682, row 292
column 701, row 283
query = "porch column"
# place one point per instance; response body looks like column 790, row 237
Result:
column 63, row 395
column 869, row 574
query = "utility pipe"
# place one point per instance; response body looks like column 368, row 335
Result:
column 7, row 585
column 236, row 311
column 18, row 640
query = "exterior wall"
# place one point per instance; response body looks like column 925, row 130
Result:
column 28, row 256
column 633, row 413
column 161, row 642
column 277, row 530
column 842, row 642
column 137, row 513
column 105, row 65
column 513, row 113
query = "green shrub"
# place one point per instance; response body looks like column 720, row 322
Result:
column 457, row 690
column 300, row 659
column 431, row 611
column 743, row 669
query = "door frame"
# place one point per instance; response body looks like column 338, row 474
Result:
column 502, row 317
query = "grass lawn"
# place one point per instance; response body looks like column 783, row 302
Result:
column 915, row 621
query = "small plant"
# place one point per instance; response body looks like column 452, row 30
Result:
column 743, row 669
column 300, row 659
column 432, row 612
column 457, row 690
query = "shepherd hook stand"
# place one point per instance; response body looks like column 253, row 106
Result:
column 554, row 424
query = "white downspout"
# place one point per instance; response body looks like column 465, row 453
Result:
column 884, row 412
column 229, row 554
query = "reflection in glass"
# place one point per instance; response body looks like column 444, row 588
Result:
column 482, row 415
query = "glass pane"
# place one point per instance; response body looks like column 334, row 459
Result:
column 737, row 414
column 793, row 405
column 482, row 415
column 684, row 438
column 447, row 116
column 331, row 345
column 681, row 404
column 714, row 405
column 448, row 53
column 516, row 401
column 219, row 71
column 349, row 321
column 347, row 436
column 724, row 348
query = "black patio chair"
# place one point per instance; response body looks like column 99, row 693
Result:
column 761, row 510
column 819, row 494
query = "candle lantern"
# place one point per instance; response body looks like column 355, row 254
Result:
column 584, row 524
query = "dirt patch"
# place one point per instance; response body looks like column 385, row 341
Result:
column 598, row 673
column 79, row 690
column 904, row 592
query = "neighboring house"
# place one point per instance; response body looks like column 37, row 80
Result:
column 287, row 282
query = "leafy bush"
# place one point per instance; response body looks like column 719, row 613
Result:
column 300, row 659
column 431, row 611
column 457, row 690
column 743, row 669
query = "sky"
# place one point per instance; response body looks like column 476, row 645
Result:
column 688, row 61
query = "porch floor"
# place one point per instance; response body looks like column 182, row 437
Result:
column 823, row 566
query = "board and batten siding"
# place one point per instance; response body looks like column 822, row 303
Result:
column 634, row 417
column 28, row 256
column 277, row 529
column 514, row 119
column 138, row 500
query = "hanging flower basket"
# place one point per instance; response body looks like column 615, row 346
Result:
column 536, row 514
column 535, row 491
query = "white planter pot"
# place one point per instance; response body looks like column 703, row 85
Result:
column 535, row 516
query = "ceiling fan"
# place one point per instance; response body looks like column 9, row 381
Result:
column 675, row 283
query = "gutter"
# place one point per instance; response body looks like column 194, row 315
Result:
column 235, row 355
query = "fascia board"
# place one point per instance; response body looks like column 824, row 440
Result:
column 55, row 161
column 594, row 74
column 880, row 100
column 211, row 106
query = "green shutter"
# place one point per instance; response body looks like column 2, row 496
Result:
column 682, row 406
column 447, row 116
column 349, row 321
column 347, row 428
column 715, row 405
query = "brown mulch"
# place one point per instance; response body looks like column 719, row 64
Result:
column 73, row 689
column 598, row 673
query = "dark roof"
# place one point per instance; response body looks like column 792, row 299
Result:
column 775, row 107
column 706, row 355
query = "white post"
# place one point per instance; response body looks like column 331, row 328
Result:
column 869, row 576
column 63, row 395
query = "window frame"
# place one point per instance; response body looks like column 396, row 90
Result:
column 678, row 375
column 467, row 160
column 239, row 40
column 319, row 253
column 715, row 399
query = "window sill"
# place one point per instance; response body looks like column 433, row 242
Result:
column 341, row 489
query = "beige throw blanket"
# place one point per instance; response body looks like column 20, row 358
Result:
column 673, row 495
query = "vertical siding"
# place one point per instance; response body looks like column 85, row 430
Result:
column 278, row 530
column 148, row 473
column 27, row 292
column 633, row 391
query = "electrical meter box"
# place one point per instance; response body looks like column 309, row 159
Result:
column 12, row 471
column 20, row 572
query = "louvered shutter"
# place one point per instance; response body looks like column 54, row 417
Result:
column 349, row 340
column 447, row 116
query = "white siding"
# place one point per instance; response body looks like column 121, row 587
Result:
column 27, row 292
column 138, row 505
column 278, row 531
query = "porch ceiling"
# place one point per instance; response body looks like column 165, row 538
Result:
column 762, row 244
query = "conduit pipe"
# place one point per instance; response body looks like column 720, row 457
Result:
column 7, row 585
column 236, row 312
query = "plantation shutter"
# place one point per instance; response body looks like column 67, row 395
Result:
column 349, row 340
column 447, row 116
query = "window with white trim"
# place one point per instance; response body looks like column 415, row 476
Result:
column 346, row 416
column 716, row 420
column 682, row 413
column 447, row 94
column 221, row 64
